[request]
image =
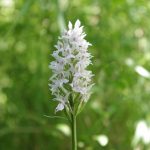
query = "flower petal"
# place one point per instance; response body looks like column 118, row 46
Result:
column 70, row 25
column 77, row 24
column 59, row 107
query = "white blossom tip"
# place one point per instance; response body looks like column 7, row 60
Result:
column 70, row 25
column 77, row 23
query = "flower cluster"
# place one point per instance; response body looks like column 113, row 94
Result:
column 70, row 74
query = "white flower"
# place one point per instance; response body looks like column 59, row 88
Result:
column 59, row 107
column 70, row 74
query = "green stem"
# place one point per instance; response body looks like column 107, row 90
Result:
column 74, row 132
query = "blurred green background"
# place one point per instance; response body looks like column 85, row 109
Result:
column 117, row 116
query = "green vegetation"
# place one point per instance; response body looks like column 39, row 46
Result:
column 120, row 33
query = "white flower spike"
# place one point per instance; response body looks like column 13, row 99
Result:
column 71, row 79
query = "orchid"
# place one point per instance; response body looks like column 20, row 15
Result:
column 69, row 67
column 71, row 81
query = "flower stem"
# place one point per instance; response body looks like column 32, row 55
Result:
column 74, row 132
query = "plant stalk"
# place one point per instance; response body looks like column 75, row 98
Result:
column 74, row 132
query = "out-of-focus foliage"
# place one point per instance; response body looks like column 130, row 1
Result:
column 120, row 33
